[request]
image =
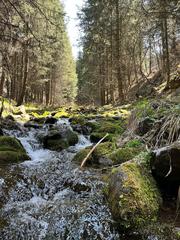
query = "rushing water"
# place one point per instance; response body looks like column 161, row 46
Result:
column 50, row 198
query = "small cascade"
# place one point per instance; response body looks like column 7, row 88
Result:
column 51, row 198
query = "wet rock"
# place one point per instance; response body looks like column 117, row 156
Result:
column 10, row 124
column 31, row 124
column 58, row 140
column 10, row 118
column 51, row 120
column 38, row 120
column 99, row 157
column 55, row 142
column 77, row 128
column 53, row 113
column 71, row 137
column 165, row 164
column 11, row 150
column 77, row 186
column 132, row 194
column 1, row 132
column 105, row 161
column 85, row 130
column 144, row 126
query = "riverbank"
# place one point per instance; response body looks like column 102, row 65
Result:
column 122, row 172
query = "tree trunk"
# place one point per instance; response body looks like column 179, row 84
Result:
column 119, row 51
column 25, row 76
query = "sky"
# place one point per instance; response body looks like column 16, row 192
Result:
column 71, row 9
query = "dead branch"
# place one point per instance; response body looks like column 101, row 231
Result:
column 92, row 150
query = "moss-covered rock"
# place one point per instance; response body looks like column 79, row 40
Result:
column 79, row 119
column 111, row 126
column 103, row 150
column 56, row 140
column 133, row 197
column 99, row 156
column 56, row 144
column 79, row 157
column 125, row 154
column 97, row 136
column 72, row 137
column 11, row 150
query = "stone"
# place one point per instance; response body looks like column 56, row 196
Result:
column 165, row 165
column 10, row 118
column 57, row 140
column 99, row 157
column 50, row 120
column 133, row 196
column 31, row 124
column 11, row 150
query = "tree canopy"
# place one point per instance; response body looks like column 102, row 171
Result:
column 35, row 53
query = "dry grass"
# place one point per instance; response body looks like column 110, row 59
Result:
column 165, row 132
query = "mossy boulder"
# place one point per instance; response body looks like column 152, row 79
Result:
column 71, row 137
column 100, row 155
column 122, row 155
column 113, row 127
column 11, row 150
column 132, row 194
column 97, row 136
column 56, row 140
column 79, row 157
column 78, row 120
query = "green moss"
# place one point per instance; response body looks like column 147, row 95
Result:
column 104, row 149
column 94, row 125
column 78, row 119
column 72, row 137
column 62, row 113
column 79, row 157
column 135, row 201
column 135, row 143
column 97, row 136
column 57, row 144
column 11, row 143
column 7, row 157
column 124, row 154
column 110, row 127
column 11, row 150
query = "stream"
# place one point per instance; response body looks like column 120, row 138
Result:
column 49, row 197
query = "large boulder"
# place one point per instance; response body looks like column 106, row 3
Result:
column 57, row 140
column 11, row 150
column 132, row 194
column 165, row 164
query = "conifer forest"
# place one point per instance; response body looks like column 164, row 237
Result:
column 89, row 119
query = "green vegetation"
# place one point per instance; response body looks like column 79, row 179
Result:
column 135, row 201
column 11, row 151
